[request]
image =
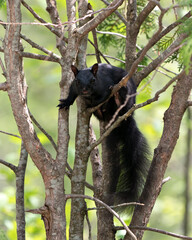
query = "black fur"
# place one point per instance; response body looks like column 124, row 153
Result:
column 127, row 146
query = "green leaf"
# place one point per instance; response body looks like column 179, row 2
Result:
column 2, row 235
column 2, row 2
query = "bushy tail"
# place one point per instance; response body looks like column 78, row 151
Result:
column 130, row 153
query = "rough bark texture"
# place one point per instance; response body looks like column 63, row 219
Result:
column 78, row 205
column 55, row 222
column 105, row 218
column 53, row 170
column 163, row 152
column 20, row 207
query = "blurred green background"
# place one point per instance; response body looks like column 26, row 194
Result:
column 43, row 94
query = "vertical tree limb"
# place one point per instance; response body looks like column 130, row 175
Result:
column 163, row 152
column 20, row 206
column 186, row 222
column 78, row 206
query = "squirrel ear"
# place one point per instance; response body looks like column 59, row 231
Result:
column 94, row 68
column 74, row 70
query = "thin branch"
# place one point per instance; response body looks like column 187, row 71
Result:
column 166, row 69
column 9, row 165
column 10, row 134
column 54, row 15
column 42, row 22
column 164, row 55
column 116, row 12
column 20, row 205
column 107, row 56
column 69, row 175
column 4, row 86
column 99, row 51
column 96, row 46
column 99, row 18
column 43, row 131
column 144, row 13
column 175, row 10
column 50, row 58
column 169, row 29
column 166, row 180
column 112, row 33
column 117, row 206
column 157, row 231
column 131, row 110
column 43, row 49
column 68, row 196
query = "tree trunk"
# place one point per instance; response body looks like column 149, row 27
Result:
column 162, row 154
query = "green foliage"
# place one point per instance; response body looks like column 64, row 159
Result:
column 2, row 235
column 165, row 42
column 150, row 22
column 2, row 2
column 186, row 50
column 185, row 3
column 113, row 24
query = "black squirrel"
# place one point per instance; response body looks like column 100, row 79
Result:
column 127, row 146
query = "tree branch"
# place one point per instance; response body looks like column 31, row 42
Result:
column 10, row 134
column 43, row 131
column 116, row 12
column 162, row 154
column 131, row 110
column 99, row 51
column 4, row 86
column 144, row 13
column 43, row 49
column 68, row 196
column 9, row 165
column 53, row 30
column 86, row 28
column 40, row 57
column 139, row 76
column 169, row 29
column 20, row 205
column 157, row 231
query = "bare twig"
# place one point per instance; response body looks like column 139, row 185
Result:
column 170, row 50
column 43, row 49
column 169, row 29
column 99, row 18
column 9, row 165
column 116, row 12
column 166, row 180
column 50, row 58
column 99, row 51
column 118, row 206
column 43, row 131
column 4, row 86
column 112, row 33
column 20, row 205
column 10, row 134
column 128, row 113
column 68, row 196
column 42, row 22
column 157, row 231
column 107, row 56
